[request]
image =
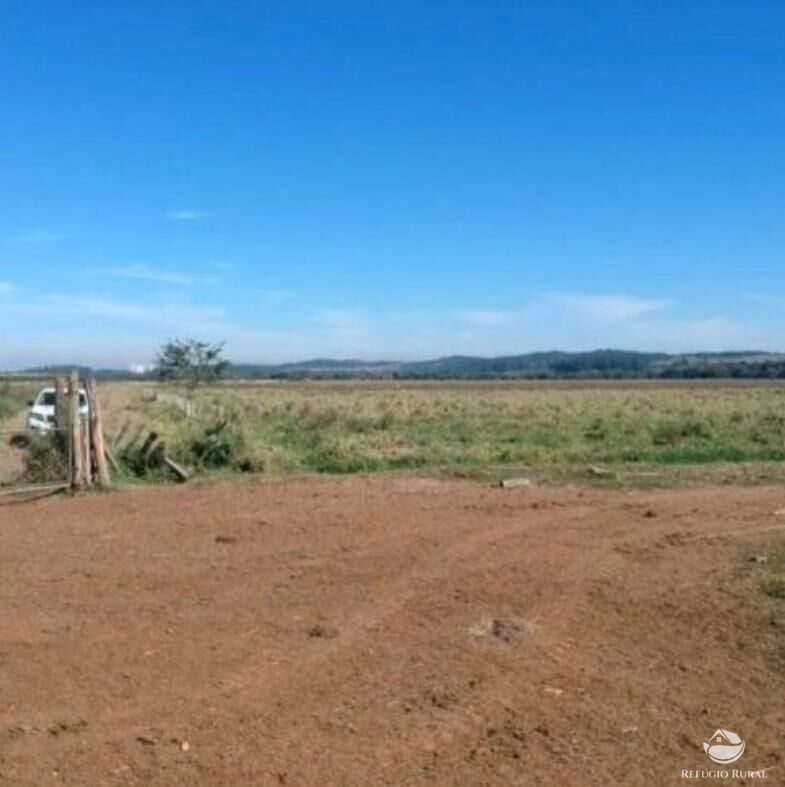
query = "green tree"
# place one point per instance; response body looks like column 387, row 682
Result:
column 191, row 362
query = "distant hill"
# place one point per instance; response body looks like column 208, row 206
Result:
column 602, row 364
column 605, row 363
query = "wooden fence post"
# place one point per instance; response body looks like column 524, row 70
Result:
column 87, row 462
column 97, row 436
column 61, row 418
column 61, row 413
column 75, row 423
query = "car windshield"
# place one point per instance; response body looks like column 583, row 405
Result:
column 47, row 399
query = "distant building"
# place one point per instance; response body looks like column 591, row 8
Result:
column 139, row 368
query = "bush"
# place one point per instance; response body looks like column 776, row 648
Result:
column 672, row 432
column 46, row 460
column 218, row 447
column 596, row 430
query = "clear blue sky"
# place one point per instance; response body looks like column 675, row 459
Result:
column 400, row 179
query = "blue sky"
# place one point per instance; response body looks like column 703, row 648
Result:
column 400, row 179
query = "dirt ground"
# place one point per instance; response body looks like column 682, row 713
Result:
column 12, row 457
column 386, row 631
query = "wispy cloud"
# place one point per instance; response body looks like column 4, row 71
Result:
column 140, row 312
column 177, row 314
column 186, row 214
column 607, row 308
column 99, row 324
column 39, row 236
column 223, row 265
column 486, row 317
column 148, row 273
column 343, row 323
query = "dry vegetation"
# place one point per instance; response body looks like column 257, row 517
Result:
column 553, row 431
column 13, row 397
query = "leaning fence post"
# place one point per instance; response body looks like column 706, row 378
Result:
column 77, row 473
column 87, row 463
column 97, row 435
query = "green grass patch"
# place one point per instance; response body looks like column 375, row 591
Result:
column 774, row 583
column 346, row 428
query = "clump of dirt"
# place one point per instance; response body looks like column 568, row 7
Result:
column 318, row 631
column 62, row 727
column 499, row 630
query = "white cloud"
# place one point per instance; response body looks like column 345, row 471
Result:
column 147, row 273
column 486, row 317
column 562, row 321
column 39, row 236
column 169, row 314
column 344, row 323
column 607, row 308
column 141, row 312
column 186, row 214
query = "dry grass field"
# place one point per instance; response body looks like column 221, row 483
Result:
column 655, row 433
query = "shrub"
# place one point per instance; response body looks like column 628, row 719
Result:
column 596, row 430
column 46, row 461
column 218, row 447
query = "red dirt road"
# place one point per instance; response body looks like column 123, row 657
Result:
column 386, row 632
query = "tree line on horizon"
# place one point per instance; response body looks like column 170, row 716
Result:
column 204, row 362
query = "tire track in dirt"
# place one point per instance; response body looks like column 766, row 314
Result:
column 167, row 634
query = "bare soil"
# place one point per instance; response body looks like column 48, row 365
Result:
column 12, row 455
column 386, row 631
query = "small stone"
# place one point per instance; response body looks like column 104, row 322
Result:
column 185, row 746
column 553, row 691
column 759, row 559
column 512, row 483
column 225, row 539
column 601, row 471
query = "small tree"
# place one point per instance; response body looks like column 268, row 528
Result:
column 191, row 362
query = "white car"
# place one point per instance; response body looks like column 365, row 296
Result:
column 41, row 416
